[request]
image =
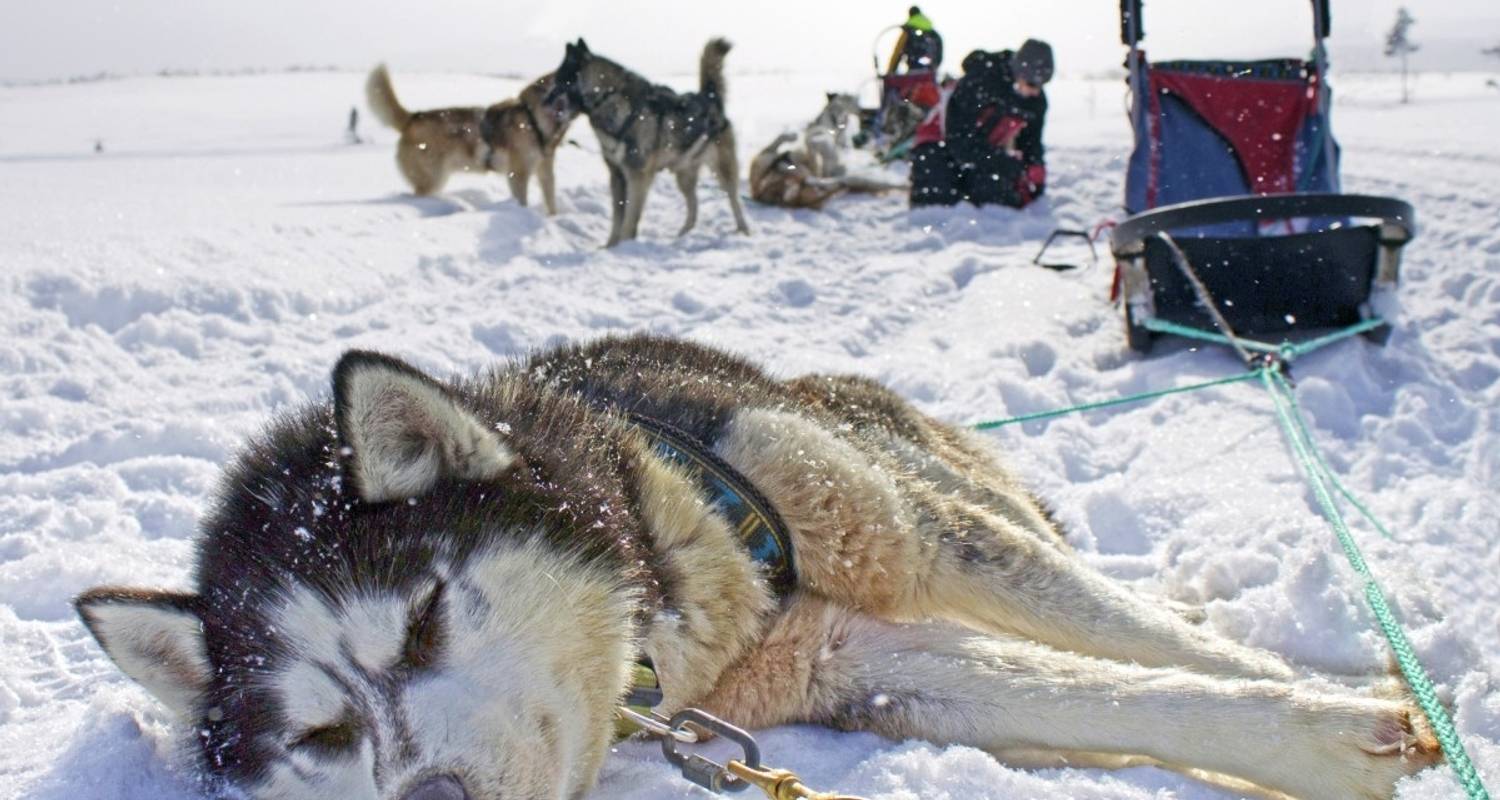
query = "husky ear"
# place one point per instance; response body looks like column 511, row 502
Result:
column 156, row 638
column 403, row 431
column 831, row 96
column 583, row 47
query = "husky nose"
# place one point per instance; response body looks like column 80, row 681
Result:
column 445, row 787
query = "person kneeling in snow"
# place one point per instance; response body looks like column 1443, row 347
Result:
column 984, row 143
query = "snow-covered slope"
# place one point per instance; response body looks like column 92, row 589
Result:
column 159, row 299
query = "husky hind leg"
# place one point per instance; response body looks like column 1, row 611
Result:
column 946, row 684
column 992, row 573
column 425, row 174
column 687, row 182
column 911, row 547
column 726, row 168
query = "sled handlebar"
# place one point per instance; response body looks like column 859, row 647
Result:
column 1132, row 31
column 1131, row 233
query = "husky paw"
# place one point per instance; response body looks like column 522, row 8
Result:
column 1404, row 731
column 1380, row 744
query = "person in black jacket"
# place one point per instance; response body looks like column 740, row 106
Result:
column 986, row 147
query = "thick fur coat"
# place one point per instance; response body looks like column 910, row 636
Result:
column 435, row 590
column 517, row 137
column 810, row 176
column 644, row 128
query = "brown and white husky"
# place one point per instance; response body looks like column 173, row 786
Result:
column 518, row 137
column 426, row 589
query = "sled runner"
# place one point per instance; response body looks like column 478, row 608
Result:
column 1236, row 172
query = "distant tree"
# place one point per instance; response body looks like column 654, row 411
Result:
column 1398, row 43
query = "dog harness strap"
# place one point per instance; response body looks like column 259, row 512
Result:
column 598, row 99
column 487, row 135
column 535, row 128
column 620, row 131
column 753, row 518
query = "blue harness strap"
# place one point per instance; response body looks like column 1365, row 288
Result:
column 733, row 497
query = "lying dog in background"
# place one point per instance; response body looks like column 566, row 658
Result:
column 791, row 177
column 518, row 137
column 828, row 133
column 644, row 128
column 429, row 590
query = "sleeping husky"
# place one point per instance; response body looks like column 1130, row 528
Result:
column 518, row 137
column 792, row 177
column 435, row 590
column 644, row 128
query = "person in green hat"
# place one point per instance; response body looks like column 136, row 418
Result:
column 920, row 47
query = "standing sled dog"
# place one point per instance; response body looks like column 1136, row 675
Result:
column 644, row 128
column 429, row 590
column 518, row 137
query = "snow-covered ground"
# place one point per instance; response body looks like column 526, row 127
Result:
column 159, row 299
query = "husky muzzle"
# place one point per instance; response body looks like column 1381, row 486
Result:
column 560, row 90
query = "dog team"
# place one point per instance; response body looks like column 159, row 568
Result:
column 643, row 128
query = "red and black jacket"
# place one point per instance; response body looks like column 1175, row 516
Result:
column 984, row 109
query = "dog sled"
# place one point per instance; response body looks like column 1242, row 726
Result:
column 905, row 100
column 1233, row 193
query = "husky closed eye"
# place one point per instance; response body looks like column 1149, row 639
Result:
column 424, row 631
column 336, row 738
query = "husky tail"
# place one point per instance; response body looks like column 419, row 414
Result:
column 382, row 99
column 711, row 70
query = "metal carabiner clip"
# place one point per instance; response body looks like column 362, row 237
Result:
column 709, row 774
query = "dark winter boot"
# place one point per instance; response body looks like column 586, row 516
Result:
column 934, row 176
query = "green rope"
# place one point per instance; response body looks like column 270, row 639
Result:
column 1134, row 398
column 1328, row 474
column 1320, row 476
column 1303, row 348
column 1411, row 668
column 1163, row 326
column 1288, row 351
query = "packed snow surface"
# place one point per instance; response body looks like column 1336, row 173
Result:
column 161, row 298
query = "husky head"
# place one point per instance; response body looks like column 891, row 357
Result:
column 540, row 97
column 839, row 108
column 569, row 79
column 391, row 604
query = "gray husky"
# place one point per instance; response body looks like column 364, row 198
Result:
column 644, row 128
column 436, row 590
column 828, row 133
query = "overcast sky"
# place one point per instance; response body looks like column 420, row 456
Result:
column 44, row 39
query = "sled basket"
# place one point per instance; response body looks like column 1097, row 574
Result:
column 1236, row 161
column 1265, row 286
